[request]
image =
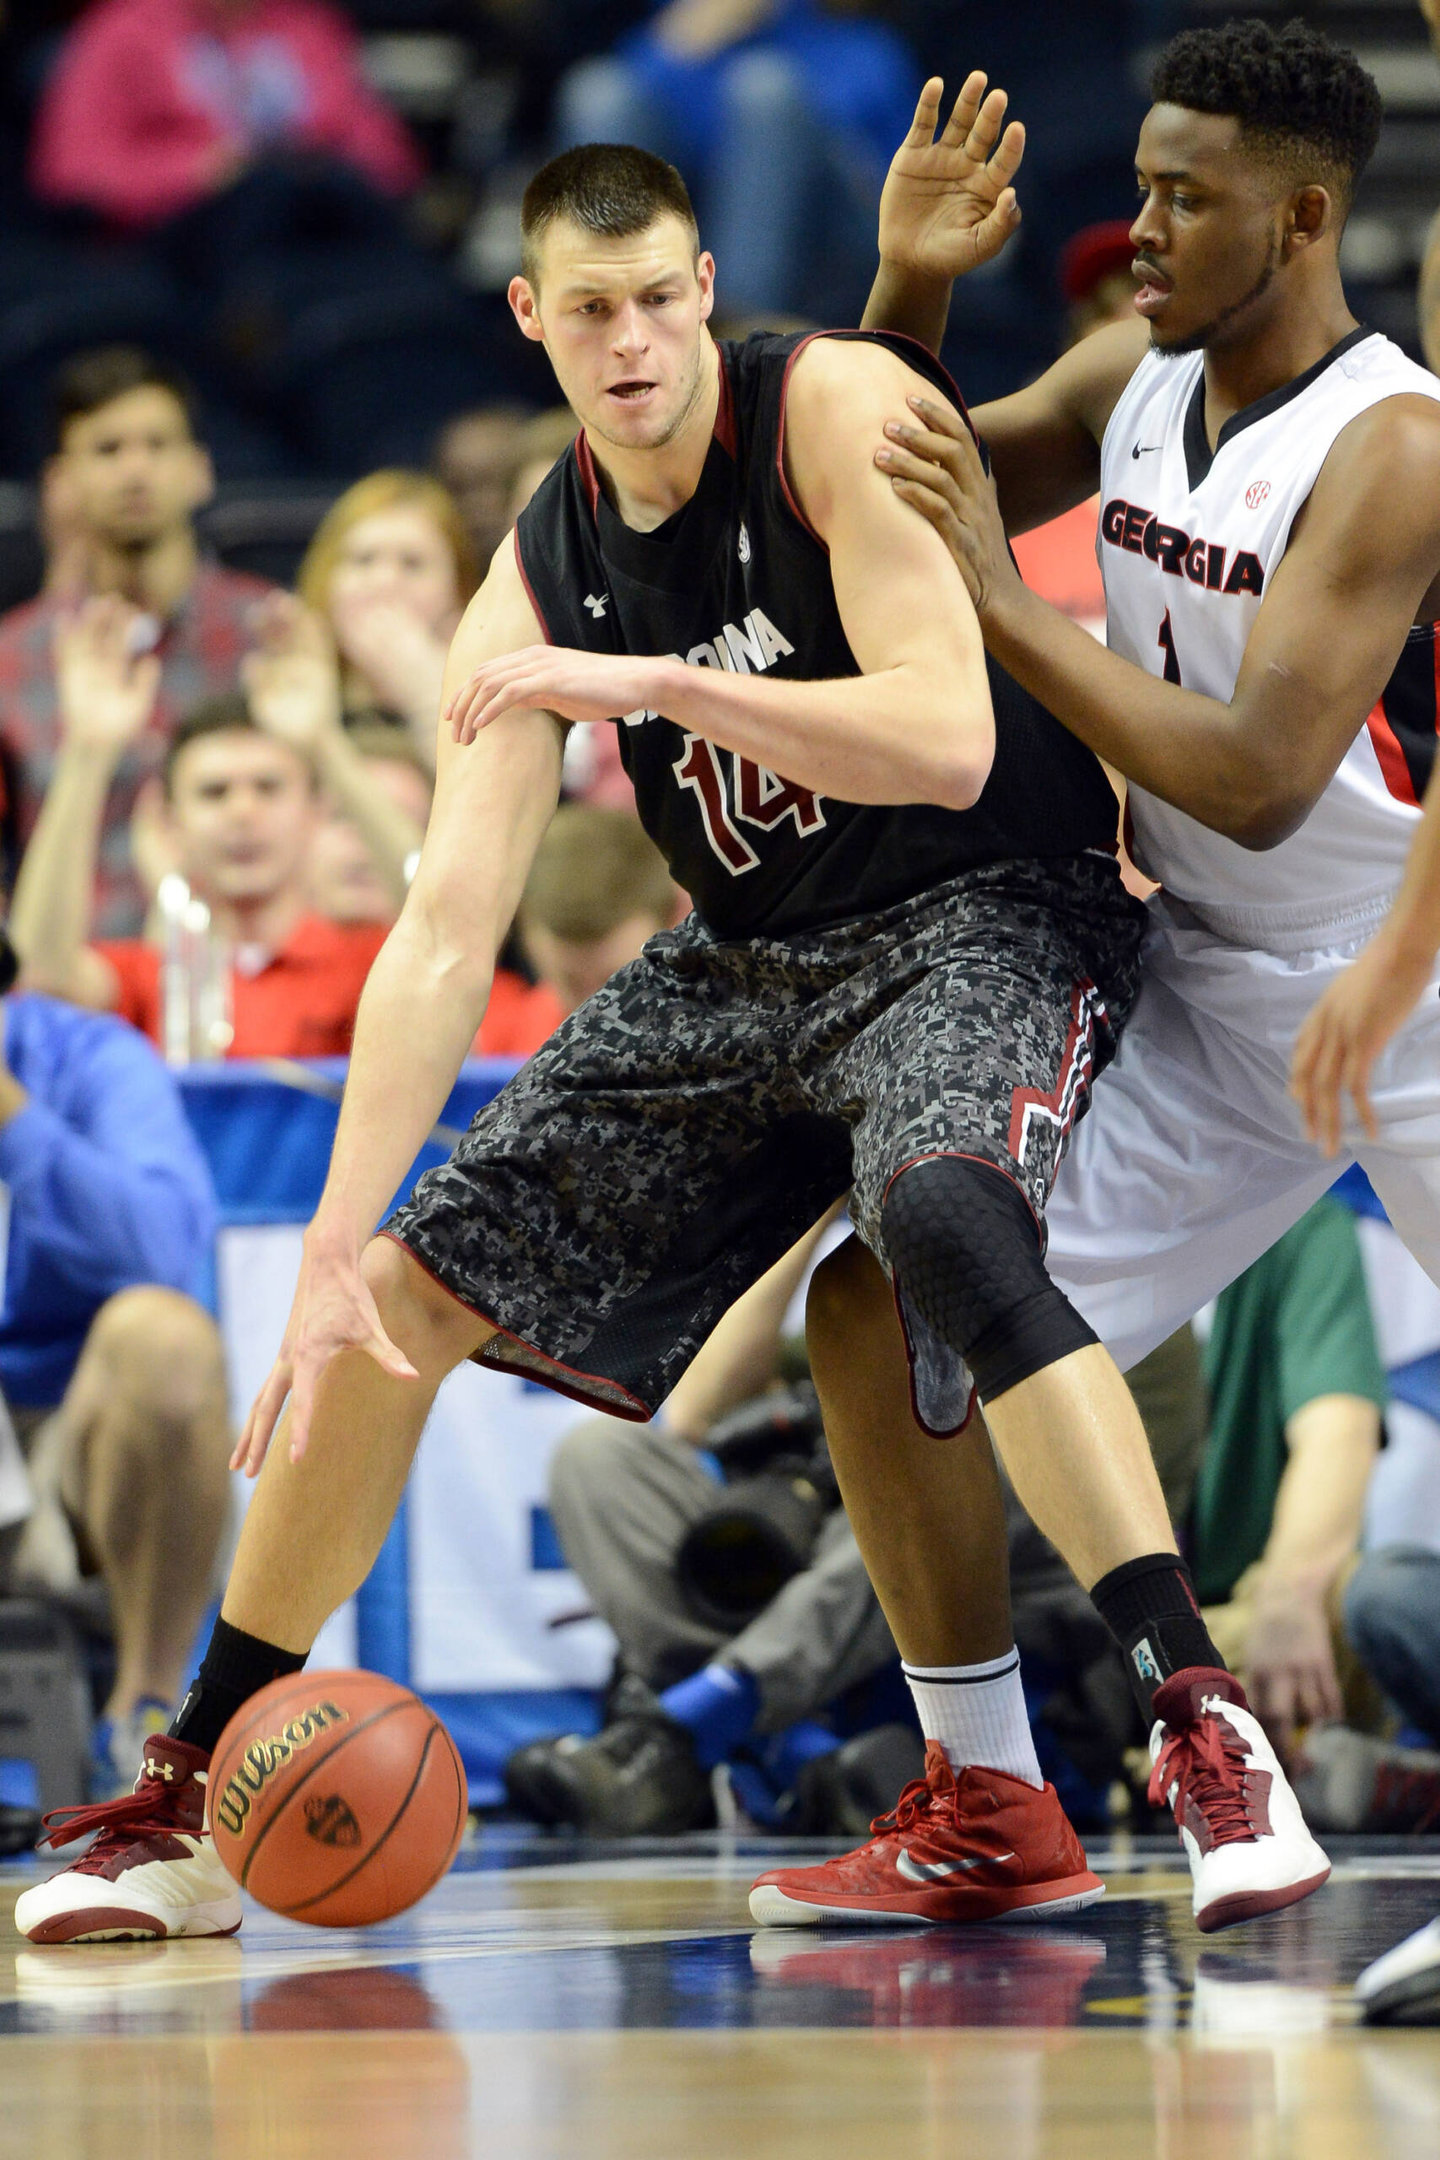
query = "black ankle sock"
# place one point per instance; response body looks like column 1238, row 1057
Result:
column 1150, row 1607
column 235, row 1667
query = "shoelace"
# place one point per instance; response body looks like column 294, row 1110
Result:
column 915, row 1801
column 147, row 1813
column 1206, row 1763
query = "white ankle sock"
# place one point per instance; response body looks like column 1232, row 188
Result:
column 977, row 1713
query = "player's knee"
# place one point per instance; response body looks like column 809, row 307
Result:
column 966, row 1253
column 161, row 1354
column 419, row 1315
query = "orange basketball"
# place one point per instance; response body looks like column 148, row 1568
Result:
column 337, row 1798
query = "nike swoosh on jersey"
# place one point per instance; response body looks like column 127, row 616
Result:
column 937, row 1870
column 1146, row 449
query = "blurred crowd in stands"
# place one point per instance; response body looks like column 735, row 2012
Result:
column 264, row 419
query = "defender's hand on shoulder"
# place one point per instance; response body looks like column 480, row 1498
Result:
column 934, row 465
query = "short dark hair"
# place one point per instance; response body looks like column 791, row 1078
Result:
column 227, row 714
column 1292, row 90
column 608, row 188
column 96, row 378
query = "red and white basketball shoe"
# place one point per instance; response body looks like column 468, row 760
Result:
column 1249, row 1849
column 152, row 1871
column 981, row 1847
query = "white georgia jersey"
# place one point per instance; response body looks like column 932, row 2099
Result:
column 1188, row 542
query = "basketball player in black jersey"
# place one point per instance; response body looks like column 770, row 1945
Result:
column 910, row 952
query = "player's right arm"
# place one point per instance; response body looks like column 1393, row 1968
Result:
column 424, row 1000
column 948, row 206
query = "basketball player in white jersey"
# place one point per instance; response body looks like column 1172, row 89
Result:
column 1269, row 475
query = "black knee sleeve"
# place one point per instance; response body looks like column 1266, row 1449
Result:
column 965, row 1252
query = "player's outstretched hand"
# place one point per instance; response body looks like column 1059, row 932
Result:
column 948, row 204
column 333, row 1311
column 934, row 464
column 552, row 678
column 1339, row 1043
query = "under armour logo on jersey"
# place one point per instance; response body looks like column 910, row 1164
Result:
column 597, row 607
column 743, row 549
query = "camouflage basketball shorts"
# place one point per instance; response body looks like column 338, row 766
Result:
column 682, row 1129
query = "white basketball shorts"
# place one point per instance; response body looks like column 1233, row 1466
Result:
column 1192, row 1160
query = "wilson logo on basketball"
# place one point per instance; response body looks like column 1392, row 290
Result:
column 331, row 1822
column 263, row 1759
column 1256, row 493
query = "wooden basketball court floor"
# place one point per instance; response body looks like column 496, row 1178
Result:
column 553, row 2000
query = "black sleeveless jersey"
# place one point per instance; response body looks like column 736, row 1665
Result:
column 736, row 579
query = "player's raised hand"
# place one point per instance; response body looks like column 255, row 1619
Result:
column 333, row 1310
column 934, row 464
column 1336, row 1049
column 552, row 678
column 949, row 202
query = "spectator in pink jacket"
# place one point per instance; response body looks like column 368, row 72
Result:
column 155, row 106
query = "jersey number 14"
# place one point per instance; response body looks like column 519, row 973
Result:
column 747, row 795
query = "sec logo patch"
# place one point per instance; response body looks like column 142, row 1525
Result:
column 1256, row 493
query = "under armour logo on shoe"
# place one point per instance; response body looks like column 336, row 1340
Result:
column 159, row 1769
column 597, row 607
column 936, row 1870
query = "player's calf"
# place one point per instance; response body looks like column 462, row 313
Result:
column 967, row 1260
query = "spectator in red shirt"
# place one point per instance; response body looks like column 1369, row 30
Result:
column 156, row 106
column 133, row 477
column 243, row 806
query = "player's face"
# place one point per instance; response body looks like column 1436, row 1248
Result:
column 1208, row 237
column 132, row 471
column 621, row 321
column 244, row 812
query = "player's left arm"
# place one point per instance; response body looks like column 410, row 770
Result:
column 1364, row 555
column 914, row 726
column 1336, row 1049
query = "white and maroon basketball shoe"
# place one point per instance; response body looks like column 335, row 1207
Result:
column 1249, row 1849
column 152, row 1870
column 981, row 1847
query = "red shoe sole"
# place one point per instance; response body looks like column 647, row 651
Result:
column 1037, row 1901
column 117, row 1923
column 1254, row 1904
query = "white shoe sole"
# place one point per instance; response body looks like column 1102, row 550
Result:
column 99, row 1922
column 1237, row 1906
column 770, row 1907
